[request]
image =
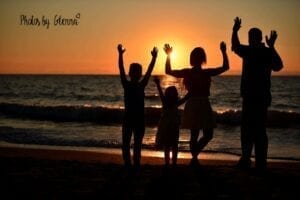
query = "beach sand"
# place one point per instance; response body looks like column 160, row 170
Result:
column 34, row 173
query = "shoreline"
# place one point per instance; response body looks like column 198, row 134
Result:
column 36, row 173
column 107, row 155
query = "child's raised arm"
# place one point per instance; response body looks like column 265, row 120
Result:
column 121, row 50
column 151, row 66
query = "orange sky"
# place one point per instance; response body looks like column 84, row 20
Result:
column 90, row 47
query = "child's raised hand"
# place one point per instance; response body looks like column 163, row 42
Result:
column 223, row 46
column 168, row 49
column 154, row 52
column 121, row 49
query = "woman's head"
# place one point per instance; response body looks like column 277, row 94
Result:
column 197, row 57
column 171, row 95
column 135, row 71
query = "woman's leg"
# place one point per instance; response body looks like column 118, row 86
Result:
column 207, row 136
column 194, row 143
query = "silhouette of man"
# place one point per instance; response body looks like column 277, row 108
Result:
column 258, row 63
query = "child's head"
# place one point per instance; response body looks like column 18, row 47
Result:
column 254, row 36
column 135, row 71
column 197, row 57
column 171, row 95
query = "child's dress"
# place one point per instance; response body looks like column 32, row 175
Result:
column 168, row 127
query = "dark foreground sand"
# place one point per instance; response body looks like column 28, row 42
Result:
column 65, row 174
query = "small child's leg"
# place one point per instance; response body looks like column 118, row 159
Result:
column 174, row 154
column 167, row 156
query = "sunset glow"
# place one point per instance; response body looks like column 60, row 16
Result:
column 81, row 36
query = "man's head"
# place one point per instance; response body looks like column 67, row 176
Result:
column 254, row 37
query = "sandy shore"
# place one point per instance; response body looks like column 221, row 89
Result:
column 73, row 174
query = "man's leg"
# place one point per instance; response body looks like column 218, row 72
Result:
column 261, row 140
column 246, row 135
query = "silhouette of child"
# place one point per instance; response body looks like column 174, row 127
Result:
column 168, row 128
column 133, row 122
column 197, row 112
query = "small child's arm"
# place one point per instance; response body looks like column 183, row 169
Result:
column 161, row 94
column 184, row 99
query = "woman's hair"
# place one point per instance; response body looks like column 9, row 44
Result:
column 197, row 57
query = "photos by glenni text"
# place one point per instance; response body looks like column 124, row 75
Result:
column 58, row 20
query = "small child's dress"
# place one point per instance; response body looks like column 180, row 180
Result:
column 168, row 127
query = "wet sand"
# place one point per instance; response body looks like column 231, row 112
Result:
column 73, row 174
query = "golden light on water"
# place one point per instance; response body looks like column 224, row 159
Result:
column 187, row 155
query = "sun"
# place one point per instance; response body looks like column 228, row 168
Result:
column 173, row 55
column 179, row 56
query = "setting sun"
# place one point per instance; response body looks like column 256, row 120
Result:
column 179, row 55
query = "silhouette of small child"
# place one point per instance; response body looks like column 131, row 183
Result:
column 168, row 128
column 134, row 93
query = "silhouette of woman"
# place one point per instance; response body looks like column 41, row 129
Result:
column 198, row 114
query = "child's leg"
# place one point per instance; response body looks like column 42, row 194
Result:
column 174, row 154
column 126, row 138
column 167, row 155
column 261, row 138
column 137, row 147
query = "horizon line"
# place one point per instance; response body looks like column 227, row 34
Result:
column 115, row 74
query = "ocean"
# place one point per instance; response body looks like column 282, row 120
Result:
column 85, row 111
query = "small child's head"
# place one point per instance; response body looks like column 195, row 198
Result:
column 197, row 57
column 171, row 95
column 135, row 71
column 254, row 37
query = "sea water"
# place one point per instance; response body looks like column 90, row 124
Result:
column 87, row 110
